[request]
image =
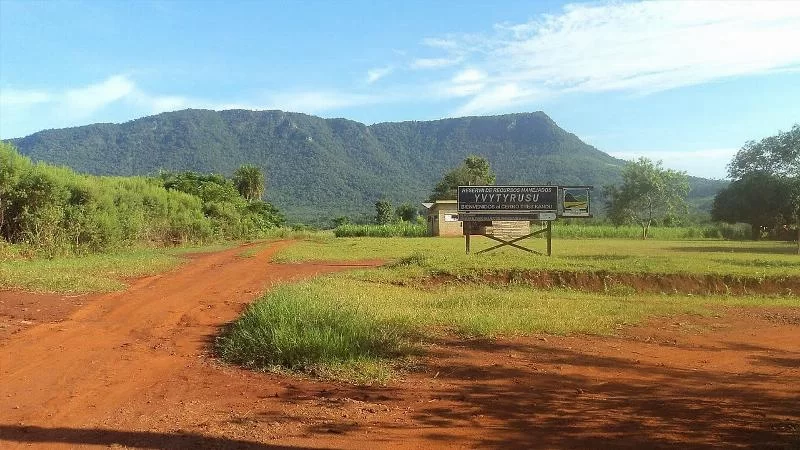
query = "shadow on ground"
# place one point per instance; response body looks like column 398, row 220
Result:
column 135, row 439
column 626, row 404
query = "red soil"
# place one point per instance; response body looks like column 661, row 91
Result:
column 132, row 369
column 672, row 283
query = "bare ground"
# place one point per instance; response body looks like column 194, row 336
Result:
column 132, row 369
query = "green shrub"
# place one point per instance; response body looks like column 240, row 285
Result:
column 594, row 231
column 397, row 229
column 301, row 329
column 55, row 211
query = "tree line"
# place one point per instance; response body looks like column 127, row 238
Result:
column 765, row 192
column 54, row 210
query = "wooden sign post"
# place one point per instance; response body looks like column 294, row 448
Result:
column 480, row 207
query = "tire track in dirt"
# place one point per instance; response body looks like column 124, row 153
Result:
column 79, row 373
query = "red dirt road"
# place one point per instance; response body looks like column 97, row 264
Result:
column 132, row 369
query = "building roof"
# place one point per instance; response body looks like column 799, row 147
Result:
column 429, row 205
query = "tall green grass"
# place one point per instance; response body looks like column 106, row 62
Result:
column 98, row 272
column 91, row 273
column 596, row 231
column 304, row 329
column 569, row 230
column 398, row 229
column 54, row 211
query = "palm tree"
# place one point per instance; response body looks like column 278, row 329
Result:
column 249, row 181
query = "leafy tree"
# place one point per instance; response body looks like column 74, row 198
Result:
column 758, row 199
column 11, row 164
column 474, row 171
column 249, row 181
column 406, row 212
column 777, row 157
column 267, row 215
column 383, row 212
column 648, row 193
column 339, row 221
column 209, row 187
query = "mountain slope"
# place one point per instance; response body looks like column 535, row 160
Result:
column 318, row 168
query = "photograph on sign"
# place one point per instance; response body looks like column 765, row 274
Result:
column 575, row 201
column 507, row 199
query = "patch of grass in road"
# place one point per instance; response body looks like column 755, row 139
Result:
column 253, row 250
column 301, row 328
column 91, row 273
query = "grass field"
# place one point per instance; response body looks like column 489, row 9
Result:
column 102, row 272
column 400, row 229
column 747, row 259
column 576, row 229
column 362, row 324
column 403, row 311
column 105, row 272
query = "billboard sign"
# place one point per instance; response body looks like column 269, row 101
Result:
column 575, row 201
column 507, row 199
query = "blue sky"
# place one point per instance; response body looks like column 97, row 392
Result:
column 684, row 82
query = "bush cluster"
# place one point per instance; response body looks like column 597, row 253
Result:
column 396, row 229
column 54, row 210
column 600, row 231
column 298, row 329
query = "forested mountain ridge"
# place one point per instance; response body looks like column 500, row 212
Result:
column 316, row 168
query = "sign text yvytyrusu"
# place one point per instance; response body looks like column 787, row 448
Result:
column 507, row 199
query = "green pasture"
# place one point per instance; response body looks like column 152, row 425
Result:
column 99, row 272
column 355, row 325
column 447, row 255
column 568, row 229
column 105, row 272
column 352, row 327
column 363, row 324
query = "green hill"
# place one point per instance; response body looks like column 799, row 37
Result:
column 317, row 168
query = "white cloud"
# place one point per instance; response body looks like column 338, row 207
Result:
column 318, row 101
column 708, row 163
column 26, row 111
column 640, row 48
column 440, row 43
column 22, row 98
column 167, row 103
column 497, row 97
column 469, row 76
column 465, row 83
column 377, row 73
column 86, row 100
column 434, row 63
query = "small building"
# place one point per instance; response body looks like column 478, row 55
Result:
column 443, row 221
column 443, row 218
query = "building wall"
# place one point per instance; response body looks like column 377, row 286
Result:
column 442, row 220
column 448, row 224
